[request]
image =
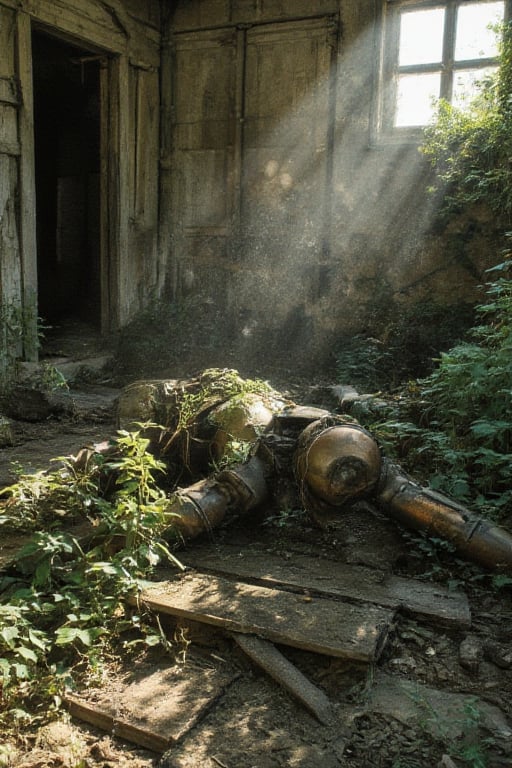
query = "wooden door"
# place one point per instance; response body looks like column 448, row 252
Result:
column 250, row 155
column 204, row 151
column 286, row 147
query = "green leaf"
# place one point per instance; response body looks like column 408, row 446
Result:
column 21, row 671
column 66, row 635
column 26, row 653
column 9, row 634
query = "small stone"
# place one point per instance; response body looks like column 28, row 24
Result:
column 498, row 654
column 470, row 653
column 446, row 762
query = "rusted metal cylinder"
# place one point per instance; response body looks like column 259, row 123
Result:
column 198, row 509
column 436, row 515
column 203, row 506
column 336, row 463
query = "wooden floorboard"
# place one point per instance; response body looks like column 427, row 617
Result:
column 322, row 625
column 327, row 577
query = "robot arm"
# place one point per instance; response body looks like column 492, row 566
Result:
column 340, row 463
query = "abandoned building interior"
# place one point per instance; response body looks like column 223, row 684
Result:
column 255, row 172
column 261, row 156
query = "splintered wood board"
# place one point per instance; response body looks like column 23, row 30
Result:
column 267, row 656
column 331, row 627
column 328, row 577
column 153, row 707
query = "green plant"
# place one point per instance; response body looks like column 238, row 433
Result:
column 454, row 428
column 20, row 333
column 470, row 149
column 406, row 341
column 62, row 605
column 285, row 517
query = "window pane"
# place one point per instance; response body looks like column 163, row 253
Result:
column 473, row 38
column 467, row 83
column 415, row 95
column 421, row 37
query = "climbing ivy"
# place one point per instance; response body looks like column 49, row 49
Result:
column 470, row 149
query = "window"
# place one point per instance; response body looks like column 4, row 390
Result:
column 434, row 50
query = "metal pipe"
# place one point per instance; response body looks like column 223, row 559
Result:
column 436, row 515
column 204, row 505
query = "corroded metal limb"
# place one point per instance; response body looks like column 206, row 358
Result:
column 204, row 505
column 436, row 515
column 337, row 463
column 246, row 484
column 198, row 508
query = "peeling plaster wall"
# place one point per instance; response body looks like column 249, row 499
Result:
column 286, row 212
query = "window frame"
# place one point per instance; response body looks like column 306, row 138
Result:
column 389, row 68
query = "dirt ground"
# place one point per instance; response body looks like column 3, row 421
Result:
column 437, row 696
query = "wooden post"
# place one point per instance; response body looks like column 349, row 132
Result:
column 27, row 189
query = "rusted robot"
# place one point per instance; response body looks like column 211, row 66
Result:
column 332, row 461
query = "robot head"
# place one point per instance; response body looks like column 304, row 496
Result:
column 336, row 463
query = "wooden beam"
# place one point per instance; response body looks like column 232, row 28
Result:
column 286, row 674
column 331, row 627
column 28, row 188
column 331, row 578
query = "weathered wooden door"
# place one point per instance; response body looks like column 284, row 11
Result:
column 18, row 282
column 251, row 127
column 287, row 123
column 204, row 150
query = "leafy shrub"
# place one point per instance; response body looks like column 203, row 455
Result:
column 455, row 426
column 470, row 149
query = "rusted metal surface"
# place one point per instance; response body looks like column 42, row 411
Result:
column 336, row 464
column 204, row 505
column 437, row 515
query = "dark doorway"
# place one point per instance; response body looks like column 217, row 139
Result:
column 66, row 82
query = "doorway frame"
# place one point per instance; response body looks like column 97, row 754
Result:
column 114, row 177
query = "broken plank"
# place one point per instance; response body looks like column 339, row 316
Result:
column 329, row 577
column 286, row 674
column 331, row 627
column 105, row 721
column 153, row 706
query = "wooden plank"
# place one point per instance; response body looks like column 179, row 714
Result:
column 7, row 49
column 155, row 705
column 11, row 148
column 329, row 577
column 28, row 188
column 9, row 91
column 275, row 664
column 333, row 628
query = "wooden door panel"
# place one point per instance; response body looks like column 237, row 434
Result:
column 10, row 261
column 203, row 145
column 286, row 117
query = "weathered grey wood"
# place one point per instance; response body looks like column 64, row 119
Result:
column 286, row 674
column 330, row 627
column 8, row 91
column 28, row 188
column 203, row 179
column 89, row 20
column 105, row 185
column 7, row 40
column 153, row 706
column 222, row 12
column 12, row 148
column 337, row 579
